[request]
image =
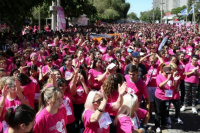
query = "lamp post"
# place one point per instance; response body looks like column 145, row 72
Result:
column 53, row 8
column 161, row 10
column 153, row 11
column 194, row 14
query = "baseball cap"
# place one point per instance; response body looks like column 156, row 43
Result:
column 135, row 54
column 129, row 50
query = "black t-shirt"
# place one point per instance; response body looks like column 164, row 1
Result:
column 141, row 70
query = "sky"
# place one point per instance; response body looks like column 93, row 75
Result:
column 138, row 6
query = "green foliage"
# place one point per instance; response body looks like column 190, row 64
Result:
column 110, row 10
column 75, row 8
column 133, row 16
column 148, row 15
column 14, row 12
column 197, row 14
column 177, row 10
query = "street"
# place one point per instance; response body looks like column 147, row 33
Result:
column 191, row 122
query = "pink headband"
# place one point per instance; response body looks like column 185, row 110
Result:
column 33, row 54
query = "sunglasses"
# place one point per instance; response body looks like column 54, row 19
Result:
column 49, row 60
column 168, row 73
column 98, row 101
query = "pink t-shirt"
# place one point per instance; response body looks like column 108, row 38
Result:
column 111, row 99
column 139, row 88
column 125, row 124
column 51, row 123
column 192, row 78
column 181, row 69
column 46, row 68
column 8, row 104
column 67, row 73
column 160, row 92
column 29, row 92
column 72, row 50
column 80, row 96
column 95, row 84
column 107, row 58
column 102, row 49
column 40, row 58
column 88, row 60
column 37, row 89
column 67, row 102
column 152, row 73
column 93, row 127
column 189, row 51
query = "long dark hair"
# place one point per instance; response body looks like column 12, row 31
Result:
column 82, row 72
column 23, row 79
column 22, row 114
column 95, row 61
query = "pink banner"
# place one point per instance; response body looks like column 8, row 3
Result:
column 61, row 18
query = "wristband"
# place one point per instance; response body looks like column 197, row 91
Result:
column 22, row 98
column 100, row 110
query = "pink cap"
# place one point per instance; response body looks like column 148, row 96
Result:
column 65, row 47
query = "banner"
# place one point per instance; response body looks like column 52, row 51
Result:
column 61, row 18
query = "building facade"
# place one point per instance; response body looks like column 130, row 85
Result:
column 168, row 5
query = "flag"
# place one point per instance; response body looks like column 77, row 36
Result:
column 163, row 43
column 191, row 11
column 184, row 11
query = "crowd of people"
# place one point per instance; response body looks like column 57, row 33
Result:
column 67, row 81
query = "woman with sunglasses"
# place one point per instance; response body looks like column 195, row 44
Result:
column 47, row 68
column 34, row 60
column 95, row 116
column 164, row 92
column 12, row 97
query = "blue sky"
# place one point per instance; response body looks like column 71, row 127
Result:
column 138, row 6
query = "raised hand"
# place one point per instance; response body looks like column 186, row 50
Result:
column 18, row 87
column 82, row 79
column 169, row 76
column 177, row 77
column 5, row 90
column 122, row 88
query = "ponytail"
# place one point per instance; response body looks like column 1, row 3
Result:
column 23, row 114
column 9, row 117
column 42, row 102
column 49, row 93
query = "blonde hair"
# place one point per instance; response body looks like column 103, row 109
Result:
column 3, row 81
column 10, row 80
column 49, row 93
column 89, row 101
column 153, row 57
column 173, row 65
column 129, row 102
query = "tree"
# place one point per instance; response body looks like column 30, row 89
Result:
column 133, row 16
column 196, row 7
column 148, row 15
column 110, row 10
column 15, row 12
column 177, row 10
